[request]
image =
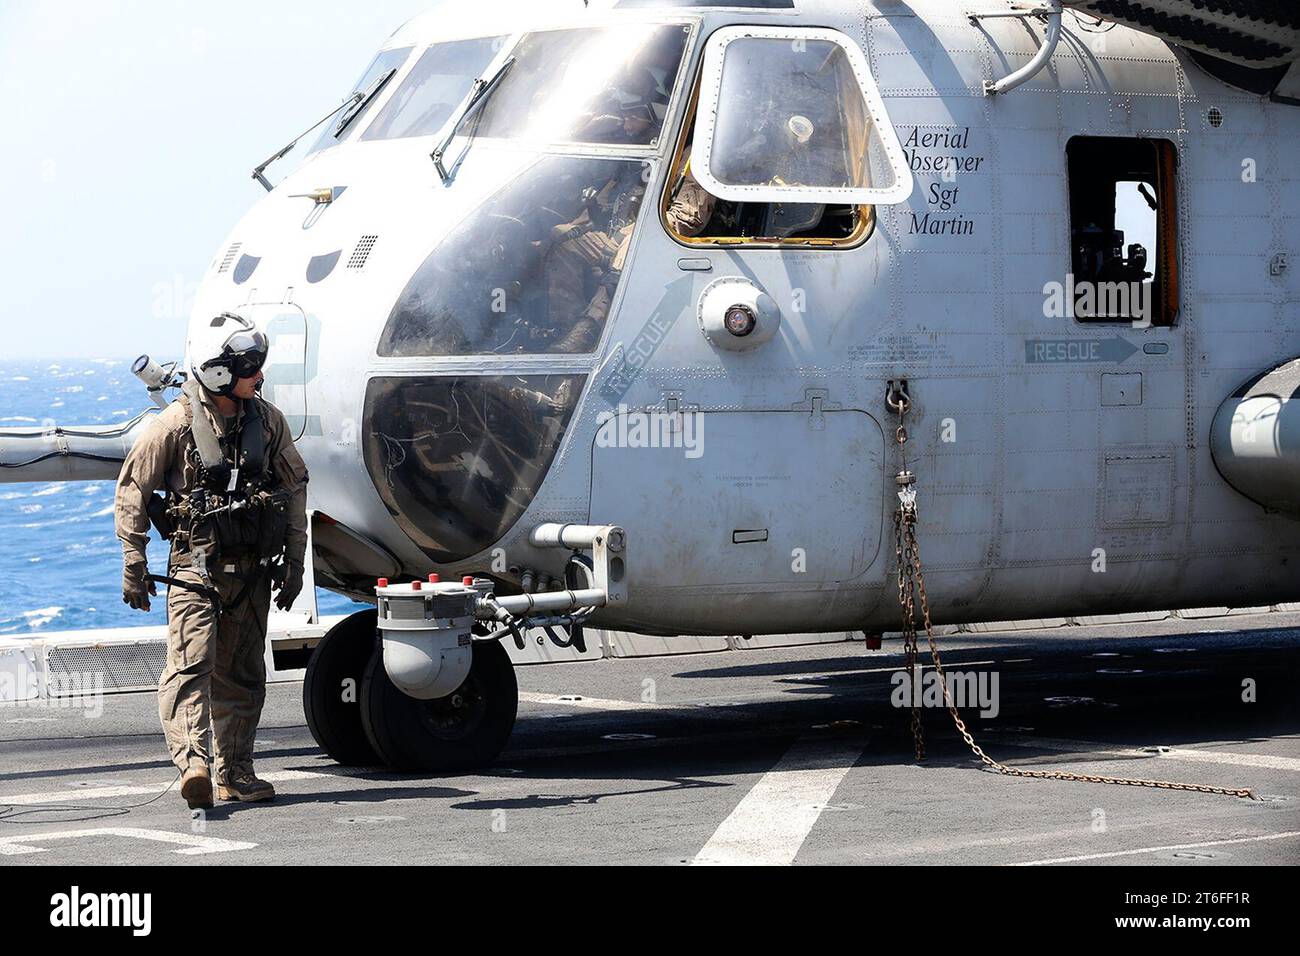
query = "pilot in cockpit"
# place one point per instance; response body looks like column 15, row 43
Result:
column 632, row 107
column 585, row 260
column 776, row 154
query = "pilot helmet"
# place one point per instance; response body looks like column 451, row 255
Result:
column 637, row 89
column 225, row 350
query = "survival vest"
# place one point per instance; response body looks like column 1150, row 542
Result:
column 237, row 506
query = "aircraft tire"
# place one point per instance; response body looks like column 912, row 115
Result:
column 465, row 730
column 333, row 714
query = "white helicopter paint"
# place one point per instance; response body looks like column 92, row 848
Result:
column 1053, row 463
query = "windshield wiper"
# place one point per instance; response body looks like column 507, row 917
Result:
column 363, row 101
column 354, row 104
column 473, row 102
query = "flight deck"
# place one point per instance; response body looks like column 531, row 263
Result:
column 769, row 755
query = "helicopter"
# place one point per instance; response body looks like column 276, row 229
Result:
column 1022, row 269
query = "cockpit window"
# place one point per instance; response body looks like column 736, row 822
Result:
column 457, row 460
column 792, row 115
column 433, row 89
column 381, row 64
column 808, row 131
column 533, row 270
column 694, row 216
column 607, row 86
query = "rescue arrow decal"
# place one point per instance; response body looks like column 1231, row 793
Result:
column 1042, row 351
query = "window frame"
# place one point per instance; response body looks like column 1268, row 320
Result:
column 710, row 86
column 865, row 228
column 1165, row 260
column 543, row 143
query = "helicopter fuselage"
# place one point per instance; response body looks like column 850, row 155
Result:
column 530, row 340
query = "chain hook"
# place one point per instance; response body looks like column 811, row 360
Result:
column 897, row 398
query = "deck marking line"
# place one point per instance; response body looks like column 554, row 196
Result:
column 1158, row 849
column 133, row 790
column 190, row 844
column 1189, row 754
column 768, row 826
column 589, row 703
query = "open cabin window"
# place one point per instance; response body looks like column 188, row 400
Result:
column 786, row 142
column 1123, row 230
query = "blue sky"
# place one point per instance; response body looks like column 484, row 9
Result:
column 130, row 129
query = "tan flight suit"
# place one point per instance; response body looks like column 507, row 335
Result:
column 691, row 208
column 579, row 250
column 211, row 663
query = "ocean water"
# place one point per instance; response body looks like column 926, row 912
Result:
column 60, row 562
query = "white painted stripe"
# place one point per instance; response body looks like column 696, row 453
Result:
column 280, row 776
column 134, row 790
column 1191, row 755
column 605, row 703
column 588, row 703
column 72, row 796
column 899, row 667
column 1264, row 761
column 770, row 824
column 1158, row 849
column 190, row 844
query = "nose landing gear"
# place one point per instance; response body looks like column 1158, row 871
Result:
column 422, row 683
column 360, row 718
column 466, row 729
column 331, row 690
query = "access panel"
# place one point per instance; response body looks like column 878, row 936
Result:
column 743, row 497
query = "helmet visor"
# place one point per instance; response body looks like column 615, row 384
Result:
column 246, row 351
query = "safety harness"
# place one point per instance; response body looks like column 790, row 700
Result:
column 216, row 467
column 235, row 509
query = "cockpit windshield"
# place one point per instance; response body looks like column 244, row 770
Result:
column 535, row 269
column 386, row 61
column 606, row 86
column 436, row 85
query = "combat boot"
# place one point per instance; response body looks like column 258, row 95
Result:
column 196, row 787
column 244, row 785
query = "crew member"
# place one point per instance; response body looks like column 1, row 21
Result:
column 692, row 205
column 589, row 251
column 234, row 508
